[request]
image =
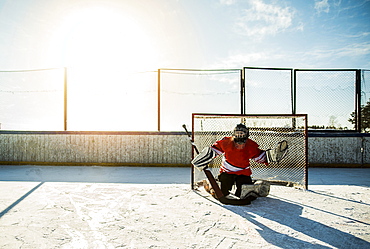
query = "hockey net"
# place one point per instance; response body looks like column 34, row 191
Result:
column 267, row 131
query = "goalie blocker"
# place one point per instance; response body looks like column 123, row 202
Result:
column 204, row 158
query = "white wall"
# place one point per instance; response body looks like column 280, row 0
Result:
column 152, row 149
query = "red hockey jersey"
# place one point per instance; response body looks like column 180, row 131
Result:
column 236, row 161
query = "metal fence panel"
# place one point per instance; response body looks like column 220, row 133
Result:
column 327, row 96
column 268, row 90
column 32, row 99
column 186, row 91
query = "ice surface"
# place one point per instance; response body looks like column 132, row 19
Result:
column 123, row 207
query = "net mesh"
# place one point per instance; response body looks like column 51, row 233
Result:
column 267, row 131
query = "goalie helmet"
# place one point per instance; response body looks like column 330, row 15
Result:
column 240, row 134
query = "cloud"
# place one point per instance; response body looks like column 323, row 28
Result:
column 349, row 56
column 343, row 57
column 263, row 19
column 227, row 2
column 352, row 50
column 239, row 60
column 243, row 59
column 322, row 6
column 359, row 35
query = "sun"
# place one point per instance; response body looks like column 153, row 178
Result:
column 102, row 48
column 102, row 37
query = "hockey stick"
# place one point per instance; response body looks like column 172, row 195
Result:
column 219, row 195
column 190, row 138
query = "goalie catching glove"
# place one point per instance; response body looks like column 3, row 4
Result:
column 277, row 154
column 202, row 160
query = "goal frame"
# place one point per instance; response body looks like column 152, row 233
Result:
column 304, row 131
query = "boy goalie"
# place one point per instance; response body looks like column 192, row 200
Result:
column 235, row 169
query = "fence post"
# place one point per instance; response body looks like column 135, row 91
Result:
column 65, row 99
column 358, row 100
column 242, row 92
column 159, row 100
column 293, row 90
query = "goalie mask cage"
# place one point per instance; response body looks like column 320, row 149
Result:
column 267, row 131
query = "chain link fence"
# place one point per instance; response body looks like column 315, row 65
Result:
column 268, row 90
column 332, row 98
column 163, row 100
column 183, row 92
column 32, row 99
column 328, row 97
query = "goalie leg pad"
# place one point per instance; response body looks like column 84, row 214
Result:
column 259, row 188
column 202, row 160
column 262, row 188
column 246, row 190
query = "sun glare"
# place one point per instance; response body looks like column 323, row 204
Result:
column 100, row 46
column 98, row 37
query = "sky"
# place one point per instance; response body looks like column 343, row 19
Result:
column 99, row 41
column 184, row 34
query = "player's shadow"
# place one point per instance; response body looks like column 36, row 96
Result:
column 287, row 216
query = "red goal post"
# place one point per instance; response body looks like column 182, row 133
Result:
column 267, row 130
